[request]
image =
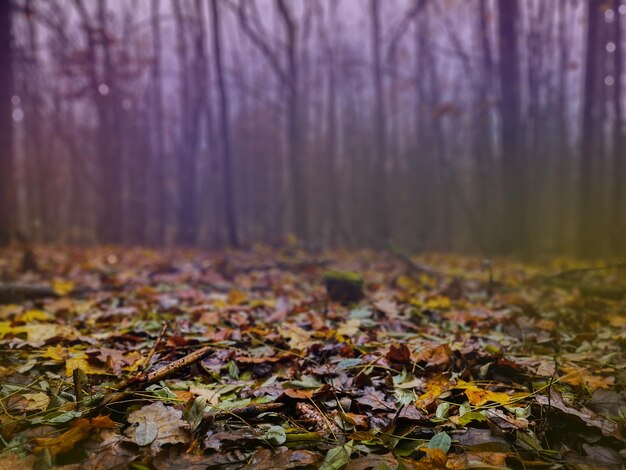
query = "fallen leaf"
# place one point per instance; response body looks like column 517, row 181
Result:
column 156, row 425
column 81, row 429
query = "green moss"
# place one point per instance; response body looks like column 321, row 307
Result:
column 342, row 276
column 343, row 286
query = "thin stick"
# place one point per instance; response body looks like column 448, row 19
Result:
column 175, row 366
column 156, row 344
column 147, row 378
column 243, row 412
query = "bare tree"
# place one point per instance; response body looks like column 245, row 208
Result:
column 158, row 153
column 619, row 160
column 8, row 210
column 379, row 177
column 514, row 210
column 590, row 113
column 229, row 193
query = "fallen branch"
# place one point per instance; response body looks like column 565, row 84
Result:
column 156, row 344
column 573, row 272
column 15, row 293
column 602, row 291
column 412, row 265
column 147, row 378
column 243, row 412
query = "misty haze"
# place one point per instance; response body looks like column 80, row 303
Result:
column 337, row 234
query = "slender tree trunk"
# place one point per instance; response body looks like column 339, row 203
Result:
column 229, row 203
column 187, row 146
column 590, row 112
column 483, row 146
column 296, row 161
column 379, row 183
column 40, row 172
column 514, row 239
column 159, row 191
column 111, row 219
column 8, row 209
column 619, row 163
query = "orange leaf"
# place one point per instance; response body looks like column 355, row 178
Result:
column 81, row 428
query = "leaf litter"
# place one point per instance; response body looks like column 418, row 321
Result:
column 188, row 359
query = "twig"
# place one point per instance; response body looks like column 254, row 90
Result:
column 175, row 366
column 412, row 265
column 13, row 293
column 147, row 378
column 243, row 412
column 79, row 377
column 156, row 344
column 571, row 272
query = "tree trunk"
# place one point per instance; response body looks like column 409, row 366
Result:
column 586, row 219
column 229, row 203
column 514, row 238
column 378, row 181
column 159, row 191
column 8, row 209
column 188, row 144
column 296, row 162
column 619, row 165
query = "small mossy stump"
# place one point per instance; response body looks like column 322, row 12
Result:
column 343, row 286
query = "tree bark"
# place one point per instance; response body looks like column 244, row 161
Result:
column 514, row 237
column 379, row 179
column 619, row 163
column 229, row 196
column 296, row 162
column 159, row 191
column 590, row 112
column 8, row 209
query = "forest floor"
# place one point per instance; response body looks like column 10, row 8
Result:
column 184, row 359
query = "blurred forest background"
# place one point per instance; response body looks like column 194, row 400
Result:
column 490, row 126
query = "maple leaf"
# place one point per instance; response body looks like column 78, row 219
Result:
column 156, row 425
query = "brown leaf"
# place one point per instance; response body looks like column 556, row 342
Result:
column 156, row 425
column 81, row 428
column 283, row 458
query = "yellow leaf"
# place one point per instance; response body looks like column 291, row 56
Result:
column 437, row 303
column 37, row 332
column 618, row 321
column 81, row 429
column 61, row 287
column 434, row 458
column 36, row 401
column 6, row 328
column 236, row 297
column 479, row 396
column 56, row 353
column 435, row 387
column 581, row 376
column 298, row 338
column 79, row 361
column 349, row 328
column 33, row 315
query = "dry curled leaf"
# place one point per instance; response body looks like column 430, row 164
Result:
column 156, row 425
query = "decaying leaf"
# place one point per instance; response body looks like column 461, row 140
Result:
column 156, row 425
column 81, row 429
